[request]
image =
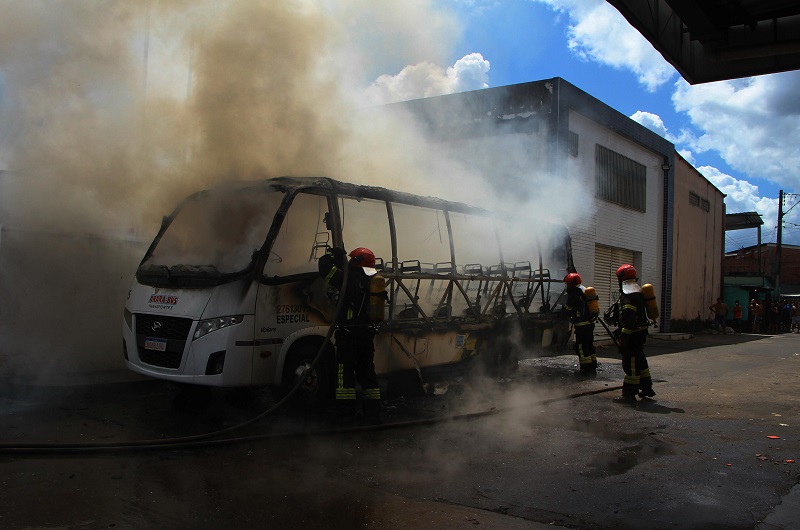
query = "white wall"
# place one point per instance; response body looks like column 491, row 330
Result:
column 608, row 224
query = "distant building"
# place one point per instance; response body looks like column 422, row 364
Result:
column 639, row 194
column 751, row 271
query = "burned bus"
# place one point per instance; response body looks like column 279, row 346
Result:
column 228, row 293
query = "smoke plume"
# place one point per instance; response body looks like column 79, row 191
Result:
column 111, row 112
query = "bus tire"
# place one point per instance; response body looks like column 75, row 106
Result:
column 317, row 389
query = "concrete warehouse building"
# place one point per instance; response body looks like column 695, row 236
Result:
column 648, row 206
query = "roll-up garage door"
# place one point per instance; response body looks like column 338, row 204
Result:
column 606, row 262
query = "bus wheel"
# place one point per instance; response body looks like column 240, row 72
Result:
column 317, row 385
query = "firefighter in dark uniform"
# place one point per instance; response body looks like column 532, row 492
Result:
column 354, row 334
column 632, row 322
column 578, row 310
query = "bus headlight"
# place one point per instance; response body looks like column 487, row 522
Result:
column 204, row 327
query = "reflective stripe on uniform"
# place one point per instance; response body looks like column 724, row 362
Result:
column 330, row 274
column 634, row 330
column 341, row 391
column 345, row 393
column 584, row 357
column 372, row 393
column 632, row 379
column 636, row 376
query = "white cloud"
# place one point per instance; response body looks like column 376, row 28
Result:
column 687, row 155
column 753, row 123
column 651, row 121
column 657, row 125
column 426, row 79
column 598, row 32
column 743, row 196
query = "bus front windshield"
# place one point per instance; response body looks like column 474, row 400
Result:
column 215, row 232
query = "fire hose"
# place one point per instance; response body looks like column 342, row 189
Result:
column 208, row 440
column 610, row 334
column 212, row 438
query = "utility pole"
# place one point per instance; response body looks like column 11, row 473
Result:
column 778, row 246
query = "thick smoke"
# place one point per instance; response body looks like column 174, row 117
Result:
column 112, row 112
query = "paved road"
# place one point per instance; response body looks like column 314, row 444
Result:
column 541, row 448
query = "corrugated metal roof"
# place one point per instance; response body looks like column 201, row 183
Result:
column 740, row 221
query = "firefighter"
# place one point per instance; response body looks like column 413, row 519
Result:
column 354, row 334
column 631, row 318
column 582, row 319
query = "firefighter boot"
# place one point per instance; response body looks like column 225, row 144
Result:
column 647, row 393
column 628, row 399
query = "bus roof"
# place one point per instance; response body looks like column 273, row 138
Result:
column 289, row 184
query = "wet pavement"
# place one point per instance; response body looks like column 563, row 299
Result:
column 714, row 449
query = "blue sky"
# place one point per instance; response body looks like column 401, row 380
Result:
column 743, row 135
column 77, row 80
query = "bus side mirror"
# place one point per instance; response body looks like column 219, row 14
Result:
column 328, row 220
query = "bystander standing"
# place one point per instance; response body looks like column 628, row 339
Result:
column 737, row 317
column 720, row 310
column 772, row 315
column 756, row 311
column 786, row 317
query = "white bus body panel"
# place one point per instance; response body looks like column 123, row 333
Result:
column 190, row 306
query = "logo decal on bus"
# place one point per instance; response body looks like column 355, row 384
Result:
column 162, row 301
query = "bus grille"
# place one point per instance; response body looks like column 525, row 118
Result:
column 176, row 332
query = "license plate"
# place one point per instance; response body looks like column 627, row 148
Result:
column 155, row 344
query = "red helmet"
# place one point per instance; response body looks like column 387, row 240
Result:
column 626, row 272
column 362, row 257
column 573, row 279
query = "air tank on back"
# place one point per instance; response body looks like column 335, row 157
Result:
column 649, row 294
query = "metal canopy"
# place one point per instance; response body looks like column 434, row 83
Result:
column 712, row 40
column 740, row 221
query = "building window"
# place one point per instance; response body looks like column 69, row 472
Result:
column 695, row 200
column 573, row 143
column 620, row 180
